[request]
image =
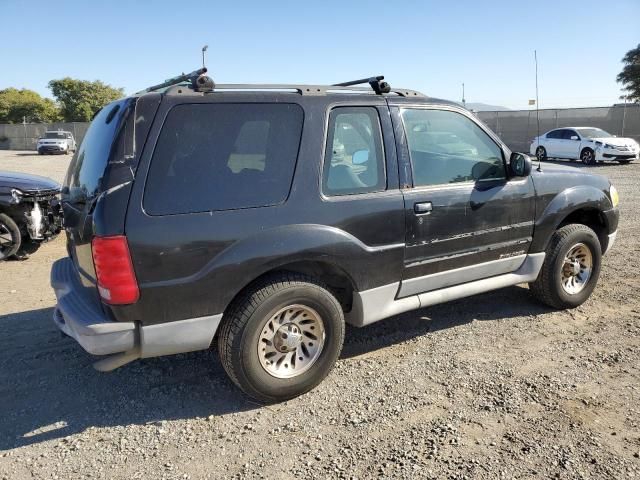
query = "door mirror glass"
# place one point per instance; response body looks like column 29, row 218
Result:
column 359, row 157
column 520, row 164
column 574, row 137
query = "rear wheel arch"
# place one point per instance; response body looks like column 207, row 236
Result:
column 337, row 280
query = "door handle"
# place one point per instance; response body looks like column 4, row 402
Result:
column 422, row 208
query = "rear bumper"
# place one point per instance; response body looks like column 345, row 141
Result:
column 79, row 316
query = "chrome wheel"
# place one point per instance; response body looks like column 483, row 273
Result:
column 291, row 341
column 577, row 268
column 541, row 154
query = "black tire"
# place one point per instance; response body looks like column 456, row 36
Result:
column 548, row 286
column 624, row 162
column 541, row 154
column 10, row 237
column 588, row 156
column 245, row 319
column 27, row 249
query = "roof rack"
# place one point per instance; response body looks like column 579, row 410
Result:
column 199, row 82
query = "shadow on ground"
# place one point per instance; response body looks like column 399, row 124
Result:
column 49, row 390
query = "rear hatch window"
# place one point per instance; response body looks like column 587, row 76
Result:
column 223, row 156
column 85, row 174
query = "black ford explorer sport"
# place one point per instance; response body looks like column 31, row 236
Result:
column 264, row 217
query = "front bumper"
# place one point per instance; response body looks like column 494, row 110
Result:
column 616, row 155
column 52, row 148
column 612, row 240
column 79, row 315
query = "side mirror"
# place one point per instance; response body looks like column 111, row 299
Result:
column 574, row 137
column 520, row 164
column 359, row 157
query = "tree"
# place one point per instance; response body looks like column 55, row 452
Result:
column 81, row 99
column 18, row 105
column 630, row 75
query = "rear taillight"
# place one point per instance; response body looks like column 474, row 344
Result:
column 117, row 282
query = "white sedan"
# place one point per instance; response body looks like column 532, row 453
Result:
column 588, row 144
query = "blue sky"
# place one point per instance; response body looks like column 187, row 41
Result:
column 431, row 46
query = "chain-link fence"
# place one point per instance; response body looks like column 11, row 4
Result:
column 18, row 136
column 519, row 127
column 516, row 128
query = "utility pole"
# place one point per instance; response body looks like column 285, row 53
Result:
column 464, row 103
column 535, row 56
column 24, row 127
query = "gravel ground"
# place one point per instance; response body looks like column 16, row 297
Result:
column 495, row 386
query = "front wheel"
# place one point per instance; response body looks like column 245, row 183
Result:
column 571, row 267
column 281, row 337
column 624, row 162
column 541, row 154
column 587, row 156
column 10, row 237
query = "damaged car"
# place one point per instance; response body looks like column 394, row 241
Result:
column 29, row 213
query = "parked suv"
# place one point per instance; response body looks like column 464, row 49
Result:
column 264, row 217
column 56, row 141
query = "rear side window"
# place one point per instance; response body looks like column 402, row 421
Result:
column 555, row 134
column 354, row 158
column 222, row 157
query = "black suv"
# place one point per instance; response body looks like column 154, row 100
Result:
column 264, row 217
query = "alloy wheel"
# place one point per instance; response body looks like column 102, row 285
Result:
column 291, row 341
column 587, row 157
column 577, row 268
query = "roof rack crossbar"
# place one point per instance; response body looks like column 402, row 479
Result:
column 376, row 83
column 185, row 77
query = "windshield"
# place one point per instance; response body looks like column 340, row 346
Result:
column 55, row 135
column 593, row 133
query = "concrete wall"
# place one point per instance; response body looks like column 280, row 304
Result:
column 518, row 128
column 24, row 137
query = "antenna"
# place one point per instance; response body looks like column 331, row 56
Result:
column 464, row 103
column 535, row 56
column 204, row 49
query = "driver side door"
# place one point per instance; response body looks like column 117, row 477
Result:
column 465, row 219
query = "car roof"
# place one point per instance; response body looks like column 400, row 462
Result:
column 397, row 96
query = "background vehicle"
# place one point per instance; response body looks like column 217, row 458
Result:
column 28, row 213
column 267, row 219
column 588, row 144
column 56, row 141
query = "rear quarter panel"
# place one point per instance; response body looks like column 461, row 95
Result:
column 191, row 265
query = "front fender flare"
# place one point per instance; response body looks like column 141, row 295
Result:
column 568, row 201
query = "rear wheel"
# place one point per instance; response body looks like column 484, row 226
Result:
column 624, row 162
column 541, row 154
column 10, row 237
column 281, row 337
column 571, row 267
column 587, row 156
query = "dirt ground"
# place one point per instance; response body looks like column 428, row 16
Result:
column 493, row 386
